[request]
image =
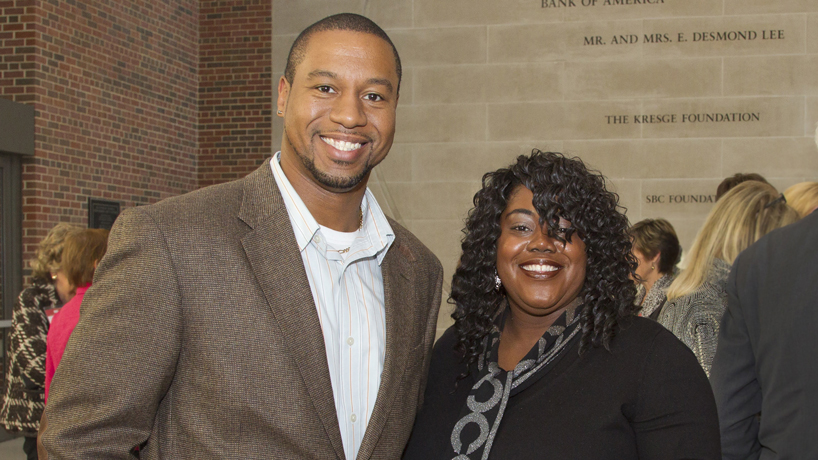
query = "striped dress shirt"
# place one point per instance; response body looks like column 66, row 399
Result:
column 347, row 288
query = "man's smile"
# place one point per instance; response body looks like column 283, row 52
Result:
column 343, row 146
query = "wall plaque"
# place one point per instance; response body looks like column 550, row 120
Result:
column 102, row 213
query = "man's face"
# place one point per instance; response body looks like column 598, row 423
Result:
column 339, row 111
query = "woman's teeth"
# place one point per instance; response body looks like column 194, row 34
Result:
column 539, row 268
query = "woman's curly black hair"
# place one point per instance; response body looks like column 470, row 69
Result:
column 562, row 187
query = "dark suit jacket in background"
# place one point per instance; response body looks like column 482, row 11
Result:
column 767, row 356
column 200, row 335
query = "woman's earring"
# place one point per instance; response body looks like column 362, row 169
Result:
column 653, row 267
column 498, row 283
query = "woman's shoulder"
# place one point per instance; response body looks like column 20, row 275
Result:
column 672, row 399
column 37, row 295
column 444, row 348
column 642, row 336
column 38, row 287
column 710, row 299
column 634, row 328
column 656, row 354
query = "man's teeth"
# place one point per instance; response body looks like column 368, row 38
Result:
column 539, row 268
column 341, row 145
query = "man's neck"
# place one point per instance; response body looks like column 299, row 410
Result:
column 338, row 210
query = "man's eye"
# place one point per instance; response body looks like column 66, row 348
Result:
column 325, row 89
column 372, row 97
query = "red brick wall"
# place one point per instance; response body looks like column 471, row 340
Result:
column 235, row 89
column 135, row 101
column 17, row 46
column 114, row 85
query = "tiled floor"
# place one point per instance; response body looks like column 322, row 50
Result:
column 12, row 450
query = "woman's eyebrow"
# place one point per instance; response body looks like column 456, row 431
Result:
column 527, row 212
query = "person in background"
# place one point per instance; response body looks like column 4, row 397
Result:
column 23, row 401
column 657, row 250
column 82, row 252
column 765, row 373
column 697, row 297
column 729, row 182
column 803, row 197
column 546, row 359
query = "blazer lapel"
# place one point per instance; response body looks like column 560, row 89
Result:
column 397, row 284
column 273, row 253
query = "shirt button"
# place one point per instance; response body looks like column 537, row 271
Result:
column 353, row 418
column 317, row 238
column 350, row 342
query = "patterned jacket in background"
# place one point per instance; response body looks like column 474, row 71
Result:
column 23, row 401
column 695, row 318
column 652, row 301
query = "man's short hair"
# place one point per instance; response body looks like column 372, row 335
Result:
column 730, row 182
column 344, row 21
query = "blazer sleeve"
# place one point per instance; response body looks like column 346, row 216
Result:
column 121, row 357
column 431, row 327
column 734, row 380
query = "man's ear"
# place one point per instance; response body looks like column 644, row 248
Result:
column 283, row 95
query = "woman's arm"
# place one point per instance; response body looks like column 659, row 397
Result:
column 29, row 328
column 676, row 414
column 702, row 333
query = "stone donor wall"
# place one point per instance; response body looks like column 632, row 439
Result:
column 665, row 97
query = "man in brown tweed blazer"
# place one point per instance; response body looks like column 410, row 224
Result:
column 201, row 338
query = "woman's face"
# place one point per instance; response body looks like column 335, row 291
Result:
column 643, row 269
column 646, row 269
column 63, row 286
column 540, row 274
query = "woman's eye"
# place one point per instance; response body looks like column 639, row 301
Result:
column 520, row 228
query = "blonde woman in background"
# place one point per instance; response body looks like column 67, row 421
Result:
column 697, row 298
column 25, row 379
column 803, row 197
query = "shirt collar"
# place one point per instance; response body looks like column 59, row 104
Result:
column 375, row 225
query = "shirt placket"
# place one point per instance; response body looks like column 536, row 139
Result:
column 349, row 337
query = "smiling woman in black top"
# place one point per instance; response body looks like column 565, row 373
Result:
column 546, row 358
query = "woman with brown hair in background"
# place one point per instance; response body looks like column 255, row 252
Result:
column 657, row 251
column 25, row 378
column 81, row 254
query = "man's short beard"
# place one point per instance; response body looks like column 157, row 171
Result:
column 335, row 182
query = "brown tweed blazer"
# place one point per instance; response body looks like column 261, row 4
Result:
column 200, row 336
